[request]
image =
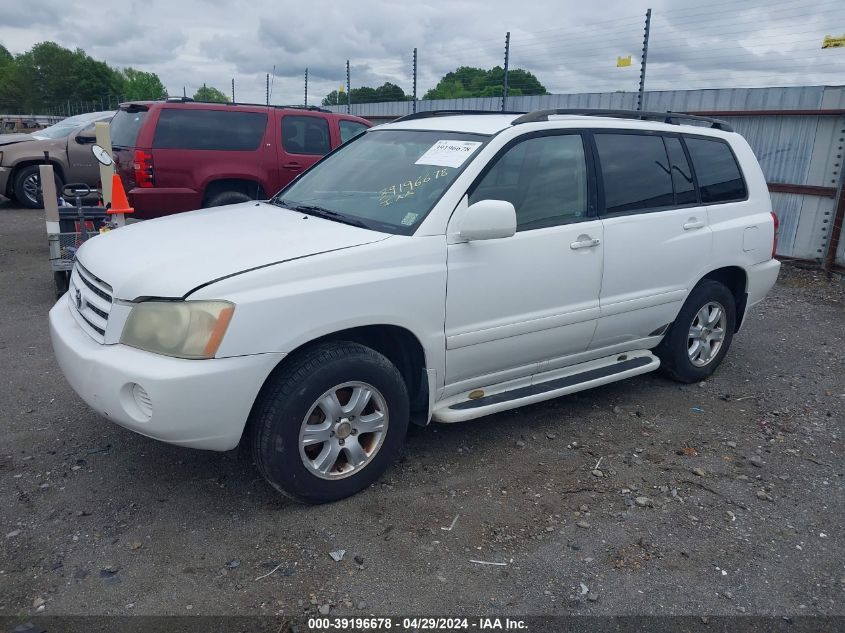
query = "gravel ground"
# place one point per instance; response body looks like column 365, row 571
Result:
column 641, row 497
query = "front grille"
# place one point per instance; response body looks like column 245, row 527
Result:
column 90, row 300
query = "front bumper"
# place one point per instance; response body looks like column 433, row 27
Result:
column 194, row 403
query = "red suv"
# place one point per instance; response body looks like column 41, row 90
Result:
column 179, row 155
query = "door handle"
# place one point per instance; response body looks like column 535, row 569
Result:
column 693, row 223
column 584, row 241
column 292, row 166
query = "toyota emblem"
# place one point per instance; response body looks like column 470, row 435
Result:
column 78, row 299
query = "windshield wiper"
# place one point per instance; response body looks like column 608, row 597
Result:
column 328, row 214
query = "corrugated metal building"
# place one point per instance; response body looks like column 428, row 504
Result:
column 798, row 134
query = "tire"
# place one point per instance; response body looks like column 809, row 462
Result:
column 25, row 179
column 227, row 197
column 62, row 280
column 294, row 399
column 680, row 358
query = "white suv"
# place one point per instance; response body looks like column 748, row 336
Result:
column 442, row 267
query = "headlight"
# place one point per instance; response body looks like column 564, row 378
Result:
column 184, row 329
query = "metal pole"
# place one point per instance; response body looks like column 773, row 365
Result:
column 507, row 59
column 306, row 88
column 837, row 228
column 267, row 87
column 233, row 90
column 415, row 80
column 644, row 59
column 348, row 91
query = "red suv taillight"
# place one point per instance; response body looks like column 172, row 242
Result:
column 143, row 169
column 775, row 238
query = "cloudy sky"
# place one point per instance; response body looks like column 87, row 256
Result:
column 570, row 46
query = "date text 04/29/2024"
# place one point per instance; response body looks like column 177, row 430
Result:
column 417, row 624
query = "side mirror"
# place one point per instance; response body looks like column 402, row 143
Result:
column 84, row 139
column 488, row 220
column 101, row 155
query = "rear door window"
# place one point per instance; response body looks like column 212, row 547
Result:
column 221, row 130
column 635, row 172
column 716, row 169
column 305, row 135
column 350, row 129
column 124, row 127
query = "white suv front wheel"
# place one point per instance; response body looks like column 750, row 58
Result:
column 330, row 422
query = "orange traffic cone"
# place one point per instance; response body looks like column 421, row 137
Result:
column 119, row 202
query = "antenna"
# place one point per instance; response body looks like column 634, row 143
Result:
column 270, row 93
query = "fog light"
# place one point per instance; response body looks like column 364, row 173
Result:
column 142, row 400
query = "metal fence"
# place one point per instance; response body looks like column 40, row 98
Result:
column 797, row 133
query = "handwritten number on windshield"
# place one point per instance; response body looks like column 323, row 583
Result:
column 395, row 193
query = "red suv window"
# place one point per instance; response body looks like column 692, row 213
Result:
column 220, row 130
column 305, row 135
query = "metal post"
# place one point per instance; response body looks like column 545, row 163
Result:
column 507, row 59
column 837, row 227
column 306, row 88
column 233, row 90
column 267, row 87
column 348, row 91
column 415, row 80
column 644, row 59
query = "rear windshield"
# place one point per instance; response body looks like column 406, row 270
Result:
column 209, row 129
column 124, row 127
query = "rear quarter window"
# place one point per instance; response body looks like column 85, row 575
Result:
column 718, row 174
column 220, row 130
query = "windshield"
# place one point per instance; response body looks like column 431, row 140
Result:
column 387, row 180
column 68, row 125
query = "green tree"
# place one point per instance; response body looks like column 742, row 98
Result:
column 48, row 77
column 467, row 81
column 211, row 94
column 334, row 98
column 386, row 92
column 141, row 86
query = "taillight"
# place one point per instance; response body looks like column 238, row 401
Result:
column 143, row 169
column 775, row 238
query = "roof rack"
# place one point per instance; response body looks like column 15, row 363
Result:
column 237, row 103
column 666, row 117
column 426, row 114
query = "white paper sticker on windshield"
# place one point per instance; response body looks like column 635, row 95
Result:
column 448, row 153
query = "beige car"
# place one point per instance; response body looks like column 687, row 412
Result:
column 68, row 144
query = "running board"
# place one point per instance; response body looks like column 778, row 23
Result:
column 545, row 386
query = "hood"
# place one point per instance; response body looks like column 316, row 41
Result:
column 8, row 139
column 171, row 256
